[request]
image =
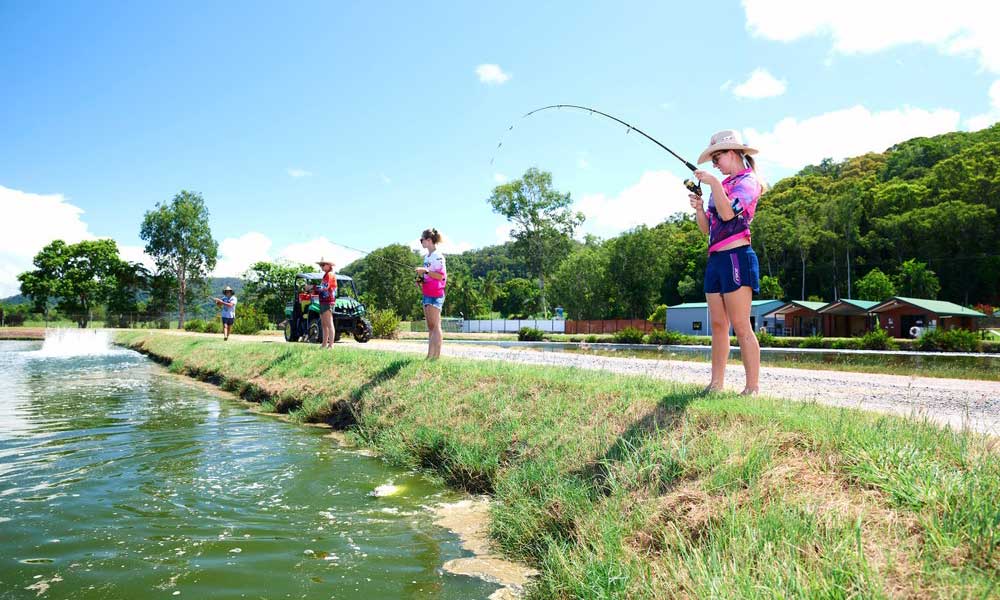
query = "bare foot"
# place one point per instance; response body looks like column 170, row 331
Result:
column 710, row 389
column 750, row 392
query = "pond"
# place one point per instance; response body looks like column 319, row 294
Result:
column 121, row 480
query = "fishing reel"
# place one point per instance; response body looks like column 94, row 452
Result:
column 693, row 187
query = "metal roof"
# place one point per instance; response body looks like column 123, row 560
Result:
column 320, row 276
column 847, row 306
column 705, row 304
column 940, row 307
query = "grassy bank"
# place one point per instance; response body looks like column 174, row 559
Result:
column 626, row 487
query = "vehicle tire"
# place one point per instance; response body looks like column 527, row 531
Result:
column 315, row 334
column 337, row 331
column 290, row 334
column 363, row 331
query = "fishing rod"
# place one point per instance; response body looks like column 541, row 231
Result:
column 386, row 259
column 692, row 186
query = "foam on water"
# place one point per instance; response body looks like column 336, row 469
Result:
column 66, row 343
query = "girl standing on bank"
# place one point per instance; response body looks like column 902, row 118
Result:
column 327, row 298
column 732, row 274
column 432, row 277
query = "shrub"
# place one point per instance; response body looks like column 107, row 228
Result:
column 659, row 315
column 878, row 339
column 846, row 344
column 666, row 337
column 530, row 334
column 765, row 339
column 385, row 323
column 14, row 315
column 592, row 339
column 629, row 335
column 813, row 341
column 249, row 320
column 213, row 326
column 195, row 325
column 953, row 340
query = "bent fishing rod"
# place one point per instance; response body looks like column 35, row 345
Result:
column 386, row 259
column 693, row 186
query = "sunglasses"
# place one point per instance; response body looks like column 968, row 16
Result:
column 717, row 155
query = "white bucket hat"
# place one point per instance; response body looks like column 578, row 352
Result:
column 727, row 139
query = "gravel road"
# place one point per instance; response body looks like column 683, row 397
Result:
column 955, row 402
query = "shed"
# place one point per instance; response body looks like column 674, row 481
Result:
column 799, row 317
column 692, row 317
column 847, row 317
column 899, row 315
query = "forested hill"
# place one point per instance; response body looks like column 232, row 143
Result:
column 935, row 200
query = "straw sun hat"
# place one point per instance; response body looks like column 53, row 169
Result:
column 727, row 139
column 322, row 261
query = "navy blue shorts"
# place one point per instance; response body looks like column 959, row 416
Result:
column 228, row 320
column 729, row 270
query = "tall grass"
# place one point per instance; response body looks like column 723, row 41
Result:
column 627, row 487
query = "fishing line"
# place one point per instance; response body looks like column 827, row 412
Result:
column 692, row 186
column 386, row 259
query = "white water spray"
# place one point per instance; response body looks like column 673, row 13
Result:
column 67, row 342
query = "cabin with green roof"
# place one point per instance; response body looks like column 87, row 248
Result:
column 798, row 318
column 906, row 317
column 847, row 318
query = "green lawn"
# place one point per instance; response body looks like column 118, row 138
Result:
column 628, row 487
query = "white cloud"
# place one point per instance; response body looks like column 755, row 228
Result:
column 794, row 143
column 503, row 233
column 293, row 172
column 237, row 254
column 310, row 251
column 656, row 196
column 49, row 217
column 492, row 74
column 760, row 84
column 864, row 27
column 499, row 178
column 990, row 117
column 136, row 254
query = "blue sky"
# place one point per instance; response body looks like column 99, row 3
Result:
column 310, row 124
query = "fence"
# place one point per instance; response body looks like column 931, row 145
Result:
column 610, row 326
column 450, row 325
column 512, row 325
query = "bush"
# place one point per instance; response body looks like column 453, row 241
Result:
column 14, row 315
column 765, row 339
column 666, row 337
column 195, row 325
column 592, row 339
column 385, row 323
column 249, row 320
column 953, row 340
column 846, row 344
column 878, row 339
column 813, row 341
column 213, row 326
column 530, row 334
column 659, row 315
column 629, row 335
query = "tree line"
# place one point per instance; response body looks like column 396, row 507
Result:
column 920, row 219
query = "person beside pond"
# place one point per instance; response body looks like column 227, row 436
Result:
column 732, row 274
column 327, row 290
column 431, row 280
column 228, row 305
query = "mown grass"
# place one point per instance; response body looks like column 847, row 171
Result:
column 628, row 487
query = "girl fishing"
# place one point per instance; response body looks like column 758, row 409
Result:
column 431, row 279
column 327, row 298
column 732, row 274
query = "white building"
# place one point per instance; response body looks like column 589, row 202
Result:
column 692, row 317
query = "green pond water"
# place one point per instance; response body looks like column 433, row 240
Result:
column 120, row 480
